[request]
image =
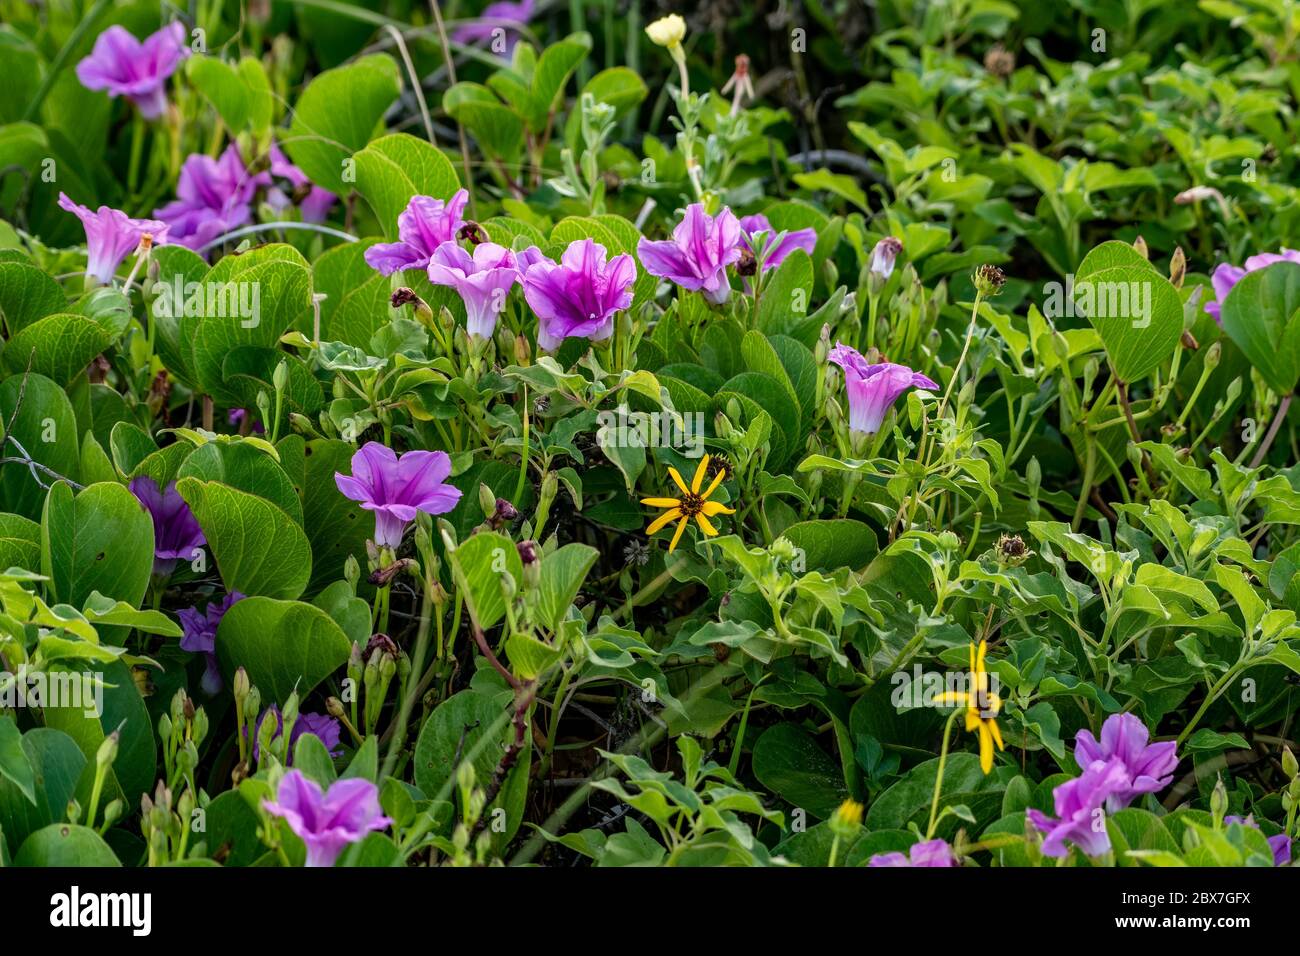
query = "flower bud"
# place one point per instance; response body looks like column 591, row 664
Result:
column 667, row 31
column 988, row 280
column 1178, row 267
column 1289, row 765
column 419, row 308
column 1140, row 245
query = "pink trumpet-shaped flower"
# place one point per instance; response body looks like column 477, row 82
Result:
column 111, row 236
column 1226, row 276
column 424, row 225
column 396, row 488
column 771, row 247
column 125, row 66
column 873, row 389
column 697, row 256
column 331, row 820
column 482, row 280
column 579, row 296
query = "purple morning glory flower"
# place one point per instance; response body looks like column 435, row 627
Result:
column 322, row 726
column 873, row 389
column 200, row 636
column 496, row 16
column 697, row 255
column 579, row 296
column 213, row 197
column 111, row 236
column 1149, row 767
column 396, row 488
column 482, row 280
column 1080, row 813
column 176, row 532
column 315, row 203
column 424, row 225
column 329, row 821
column 771, row 247
column 1226, row 276
column 884, row 254
column 124, row 66
column 1279, row 844
column 925, row 853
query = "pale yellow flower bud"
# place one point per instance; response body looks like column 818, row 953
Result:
column 667, row 31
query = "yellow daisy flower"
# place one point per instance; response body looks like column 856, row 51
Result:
column 692, row 504
column 982, row 706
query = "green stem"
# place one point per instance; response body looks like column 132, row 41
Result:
column 938, row 777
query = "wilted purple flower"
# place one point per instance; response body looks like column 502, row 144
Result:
column 873, row 389
column 883, row 256
column 770, row 247
column 579, row 296
column 1226, row 276
column 424, row 225
column 697, row 255
column 1080, row 813
column 1149, row 767
column 497, row 16
column 200, row 636
column 315, row 202
column 176, row 532
column 1279, row 844
column 925, row 853
column 124, row 66
column 322, row 726
column 111, row 236
column 396, row 488
column 327, row 822
column 482, row 280
column 236, row 417
column 213, row 197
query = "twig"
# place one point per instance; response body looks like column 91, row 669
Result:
column 1278, row 417
column 415, row 79
column 451, row 75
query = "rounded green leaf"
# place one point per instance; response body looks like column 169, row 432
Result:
column 282, row 644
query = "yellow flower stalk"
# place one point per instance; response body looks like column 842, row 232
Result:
column 692, row 504
column 982, row 706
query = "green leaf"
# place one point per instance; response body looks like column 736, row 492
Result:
column 562, row 574
column 356, row 301
column 26, row 295
column 337, row 114
column 241, row 94
column 100, row 539
column 259, row 548
column 1262, row 316
column 479, row 566
column 1135, row 310
column 20, row 542
column 47, row 428
column 56, row 764
column 284, row 645
column 65, row 845
column 246, row 467
column 394, row 168
column 14, row 764
column 788, row 761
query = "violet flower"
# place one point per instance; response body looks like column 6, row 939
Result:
column 925, row 853
column 1226, row 276
column 176, row 532
column 200, row 636
column 396, row 488
column 697, row 256
column 111, row 236
column 1080, row 814
column 482, row 280
column 327, row 822
column 214, row 196
column 322, row 726
column 1149, row 767
column 496, row 16
column 424, row 225
column 579, row 296
column 873, row 389
column 124, row 66
column 770, row 247
column 1279, row 844
column 883, row 256
column 315, row 202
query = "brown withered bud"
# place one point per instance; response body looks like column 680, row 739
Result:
column 97, row 371
column 747, row 265
column 1178, row 267
column 1189, row 341
column 502, row 515
column 612, row 180
column 160, row 390
column 999, row 60
column 403, row 296
column 720, row 652
column 527, row 552
column 383, row 643
column 384, row 576
column 188, row 707
column 473, row 232
column 1140, row 245
column 989, row 280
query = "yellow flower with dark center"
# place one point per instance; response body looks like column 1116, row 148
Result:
column 692, row 504
column 982, row 706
